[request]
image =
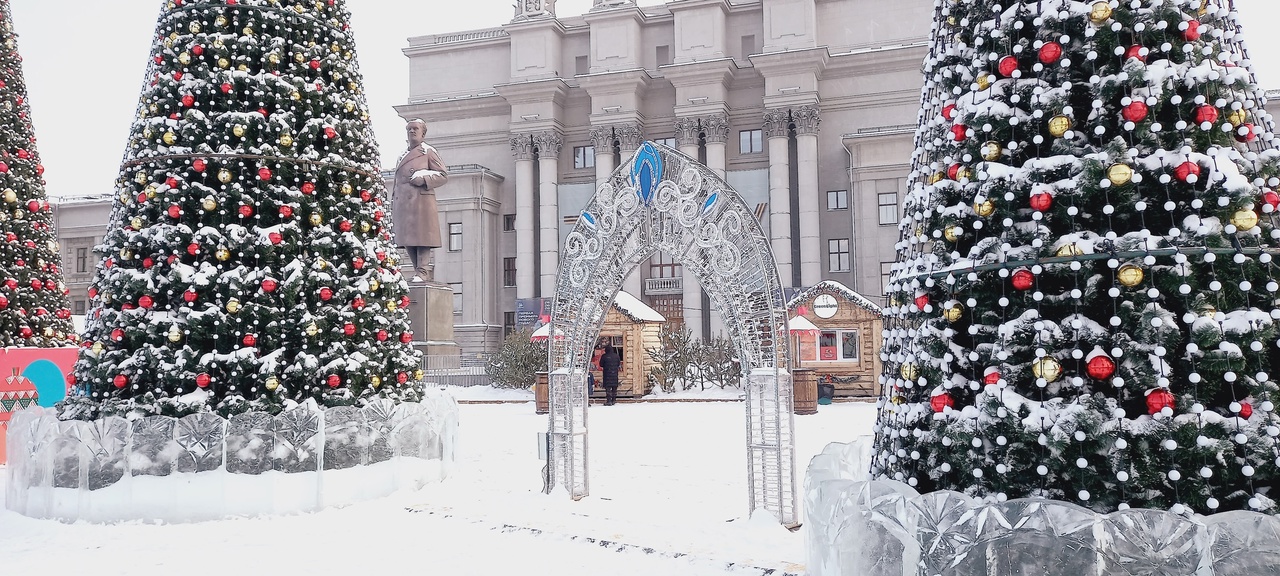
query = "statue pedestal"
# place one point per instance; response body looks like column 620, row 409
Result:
column 431, row 319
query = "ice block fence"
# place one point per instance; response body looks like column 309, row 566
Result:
column 203, row 467
column 854, row 526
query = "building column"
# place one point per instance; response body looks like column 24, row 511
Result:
column 549, row 145
column 687, row 131
column 811, row 252
column 522, row 149
column 629, row 137
column 602, row 141
column 715, row 129
column 776, row 126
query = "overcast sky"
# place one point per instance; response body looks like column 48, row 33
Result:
column 85, row 59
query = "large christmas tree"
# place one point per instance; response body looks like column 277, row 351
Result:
column 247, row 262
column 1084, row 304
column 34, row 309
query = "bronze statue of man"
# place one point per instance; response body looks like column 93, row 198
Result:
column 414, row 211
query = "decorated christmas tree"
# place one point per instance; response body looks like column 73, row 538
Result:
column 34, row 309
column 247, row 262
column 1084, row 305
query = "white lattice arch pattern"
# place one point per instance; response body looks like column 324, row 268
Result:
column 662, row 200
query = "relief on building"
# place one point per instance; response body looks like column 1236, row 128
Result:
column 602, row 138
column 716, row 128
column 522, row 146
column 806, row 119
column 687, row 130
column 530, row 9
column 607, row 4
column 629, row 136
column 777, row 123
column 548, row 144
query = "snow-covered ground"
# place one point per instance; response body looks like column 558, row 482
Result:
column 668, row 496
column 490, row 393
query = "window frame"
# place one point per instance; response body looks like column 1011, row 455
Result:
column 837, row 256
column 584, row 157
column 455, row 237
column 456, row 288
column 508, row 222
column 837, row 348
column 751, row 141
column 508, row 272
column 82, row 260
column 881, row 206
column 841, row 198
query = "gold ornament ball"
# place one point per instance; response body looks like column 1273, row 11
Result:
column 273, row 58
column 140, row 178
column 350, row 106
column 984, row 81
column 233, row 306
column 248, row 31
column 315, row 219
column 1237, row 117
column 1244, row 220
column 954, row 313
column 312, row 329
column 10, row 196
column 1047, row 368
column 418, row 374
column 97, row 348
column 1100, row 12
column 175, row 334
column 1119, row 174
column 184, row 58
column 195, row 27
column 218, row 43
column 936, row 177
column 136, row 223
column 984, row 208
column 224, row 176
column 243, row 67
column 346, row 189
column 295, row 95
column 991, row 151
column 209, row 204
column 953, row 233
column 1058, row 125
column 391, row 306
column 374, row 285
column 910, row 371
column 1130, row 275
column 224, row 63
column 1069, row 250
column 126, row 254
column 365, row 226
column 151, row 192
column 272, row 383
column 169, row 138
column 48, row 331
column 286, row 140
column 375, row 381
column 964, row 173
column 220, row 20
column 238, row 130
column 1208, row 311
column 223, row 254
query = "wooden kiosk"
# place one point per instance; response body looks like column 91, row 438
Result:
column 631, row 327
column 844, row 351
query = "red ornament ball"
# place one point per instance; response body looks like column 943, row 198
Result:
column 357, row 262
column 358, row 303
column 36, row 284
column 345, row 226
column 949, row 111
column 117, row 334
column 193, row 248
column 286, row 211
column 246, row 210
column 334, row 381
column 406, row 337
column 13, row 284
column 188, row 100
column 148, row 262
column 315, row 64
column 992, row 377
column 1246, row 410
column 921, row 301
column 326, row 293
column 958, row 132
column 1246, row 133
column 953, row 171
column 26, row 332
column 1206, row 113
column 264, row 173
column 1050, row 52
column 349, row 329
column 365, row 196
column 1041, row 201
column 189, row 296
column 1136, row 111
column 382, row 335
column 1135, row 51
column 1192, row 33
column 250, row 340
column 199, row 165
column 308, row 187
column 1023, row 279
column 330, row 133
column 275, row 237
column 270, row 285
column 175, row 211
column 1008, row 65
column 1186, row 170
column 1158, row 400
column 404, row 301
column 402, row 377
column 202, row 380
column 226, row 87
column 120, row 381
column 1101, row 367
column 145, row 301
column 1271, row 199
column 941, row 402
column 4, row 302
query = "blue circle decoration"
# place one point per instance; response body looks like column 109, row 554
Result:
column 646, row 172
column 50, row 382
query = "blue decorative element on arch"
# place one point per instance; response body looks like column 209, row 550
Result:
column 711, row 202
column 646, row 172
column 589, row 220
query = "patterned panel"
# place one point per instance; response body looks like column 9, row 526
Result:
column 202, row 438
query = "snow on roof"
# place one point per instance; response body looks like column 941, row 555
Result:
column 833, row 286
column 633, row 308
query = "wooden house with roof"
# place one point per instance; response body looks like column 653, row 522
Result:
column 844, row 349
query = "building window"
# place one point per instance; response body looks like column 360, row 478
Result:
column 455, row 236
column 888, row 208
column 668, row 142
column 838, row 254
column 837, row 200
column 584, row 157
column 663, row 55
column 838, row 345
column 749, row 45
column 751, row 141
column 82, row 259
column 508, row 222
column 508, row 272
column 664, row 266
column 508, row 323
column 580, row 65
column 886, row 270
column 457, row 296
column 79, row 307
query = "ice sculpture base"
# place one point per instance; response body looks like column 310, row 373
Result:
column 859, row 527
column 203, row 467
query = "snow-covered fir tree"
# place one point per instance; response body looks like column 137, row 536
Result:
column 247, row 261
column 1084, row 305
column 34, row 308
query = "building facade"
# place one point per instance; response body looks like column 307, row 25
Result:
column 807, row 108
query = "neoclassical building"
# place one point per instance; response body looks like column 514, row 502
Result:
column 806, row 107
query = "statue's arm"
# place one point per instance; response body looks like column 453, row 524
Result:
column 434, row 175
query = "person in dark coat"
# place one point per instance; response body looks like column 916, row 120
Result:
column 610, row 363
